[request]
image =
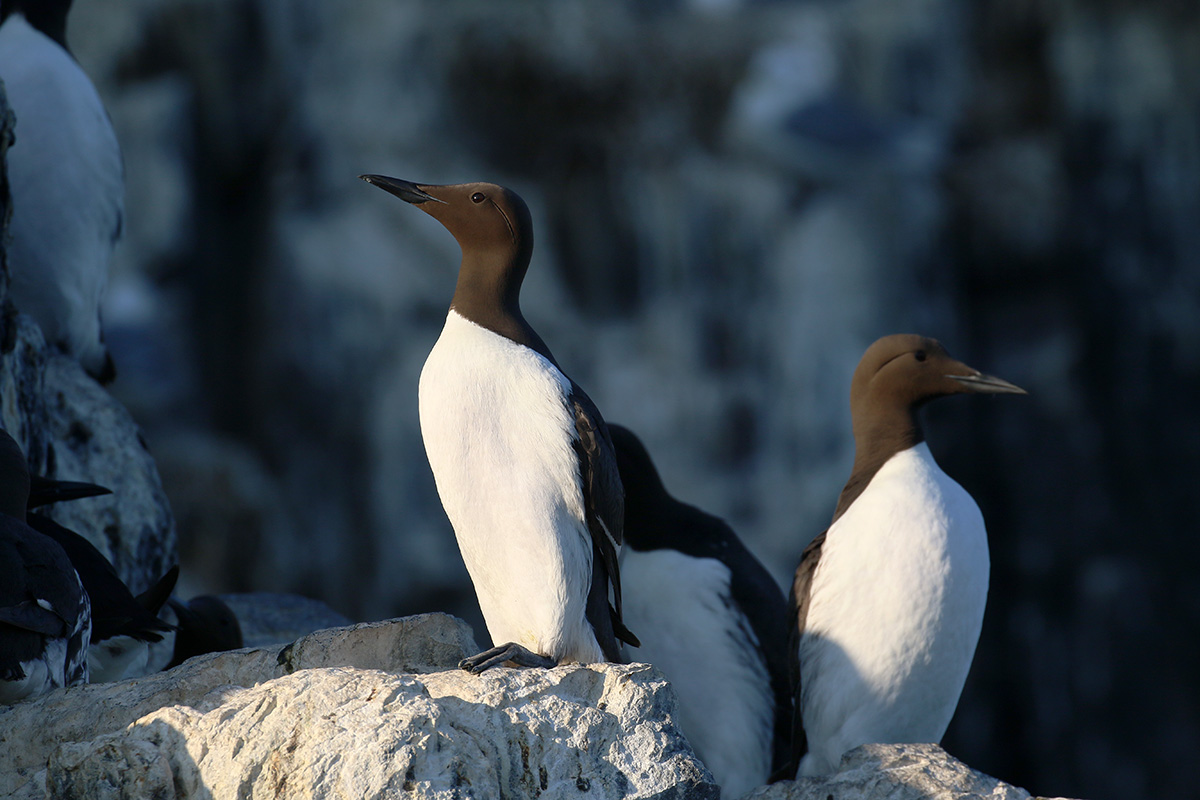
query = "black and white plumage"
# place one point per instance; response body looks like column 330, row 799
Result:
column 67, row 182
column 45, row 615
column 520, row 454
column 123, row 626
column 888, row 602
column 712, row 619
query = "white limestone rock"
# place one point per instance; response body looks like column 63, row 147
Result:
column 601, row 731
column 895, row 772
column 378, row 709
column 30, row 732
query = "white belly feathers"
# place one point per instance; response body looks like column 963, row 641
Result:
column 498, row 434
column 896, row 608
column 682, row 608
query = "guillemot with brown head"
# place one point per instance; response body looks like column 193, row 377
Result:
column 521, row 456
column 888, row 602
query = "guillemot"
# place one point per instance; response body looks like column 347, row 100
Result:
column 45, row 615
column 124, row 626
column 67, row 183
column 520, row 454
column 205, row 624
column 888, row 602
column 712, row 619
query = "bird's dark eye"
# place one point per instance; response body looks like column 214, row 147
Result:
column 919, row 355
column 478, row 197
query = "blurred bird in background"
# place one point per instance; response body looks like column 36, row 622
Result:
column 66, row 179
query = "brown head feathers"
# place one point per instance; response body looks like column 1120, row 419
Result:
column 896, row 376
column 494, row 228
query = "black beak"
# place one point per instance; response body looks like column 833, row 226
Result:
column 406, row 190
column 43, row 491
column 987, row 384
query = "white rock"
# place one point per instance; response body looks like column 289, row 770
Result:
column 895, row 772
column 606, row 730
column 29, row 732
column 355, row 712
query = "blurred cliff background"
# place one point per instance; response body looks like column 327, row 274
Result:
column 732, row 200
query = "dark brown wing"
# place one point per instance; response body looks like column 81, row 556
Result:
column 798, row 602
column 604, row 510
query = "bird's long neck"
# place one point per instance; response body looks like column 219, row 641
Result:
column 647, row 506
column 879, row 433
column 488, row 293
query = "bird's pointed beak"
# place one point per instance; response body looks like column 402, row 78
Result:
column 44, row 491
column 407, row 191
column 976, row 381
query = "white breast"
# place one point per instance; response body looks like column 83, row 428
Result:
column 118, row 658
column 67, row 183
column 896, row 607
column 682, row 610
column 498, row 435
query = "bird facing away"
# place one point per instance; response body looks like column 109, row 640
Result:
column 123, row 626
column 887, row 603
column 45, row 616
column 712, row 619
column 521, row 456
column 66, row 179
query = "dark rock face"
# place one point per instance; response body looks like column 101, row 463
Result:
column 70, row 428
column 729, row 208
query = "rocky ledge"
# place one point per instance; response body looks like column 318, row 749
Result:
column 381, row 710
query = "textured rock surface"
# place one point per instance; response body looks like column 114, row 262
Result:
column 29, row 732
column 600, row 731
column 895, row 772
column 93, row 438
column 329, row 716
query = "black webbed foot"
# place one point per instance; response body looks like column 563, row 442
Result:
column 506, row 652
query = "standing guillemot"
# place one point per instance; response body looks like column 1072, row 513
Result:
column 521, row 456
column 888, row 602
column 45, row 616
column 66, row 179
column 712, row 619
column 124, row 627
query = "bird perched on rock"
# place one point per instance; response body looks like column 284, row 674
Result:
column 888, row 602
column 45, row 616
column 129, row 637
column 67, row 182
column 520, row 454
column 124, row 627
column 712, row 619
